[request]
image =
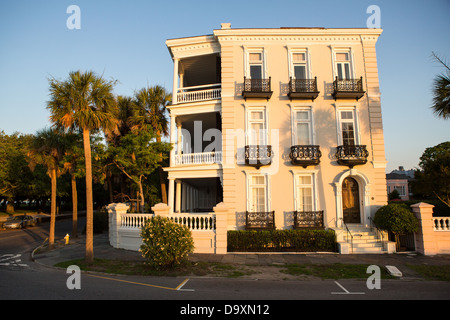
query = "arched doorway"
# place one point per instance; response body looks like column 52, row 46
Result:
column 350, row 201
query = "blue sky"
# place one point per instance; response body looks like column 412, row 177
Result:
column 125, row 40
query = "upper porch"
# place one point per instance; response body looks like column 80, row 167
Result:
column 197, row 69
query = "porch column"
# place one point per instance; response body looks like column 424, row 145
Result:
column 178, row 197
column 173, row 136
column 179, row 145
column 175, row 80
column 171, row 194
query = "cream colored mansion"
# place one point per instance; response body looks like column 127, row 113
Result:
column 282, row 125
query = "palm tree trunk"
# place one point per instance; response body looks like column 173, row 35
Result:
column 51, row 236
column 89, row 255
column 161, row 172
column 74, row 207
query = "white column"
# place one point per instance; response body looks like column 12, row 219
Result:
column 175, row 80
column 171, row 194
column 173, row 135
column 178, row 197
column 179, row 145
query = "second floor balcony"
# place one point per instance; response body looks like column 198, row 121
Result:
column 303, row 89
column 258, row 155
column 348, row 89
column 352, row 155
column 305, row 155
column 257, row 88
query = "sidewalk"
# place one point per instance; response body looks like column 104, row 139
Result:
column 102, row 249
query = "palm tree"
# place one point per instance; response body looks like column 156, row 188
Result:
column 85, row 102
column 72, row 163
column 441, row 92
column 47, row 148
column 150, row 110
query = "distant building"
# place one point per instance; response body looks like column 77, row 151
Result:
column 400, row 180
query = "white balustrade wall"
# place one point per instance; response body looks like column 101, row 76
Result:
column 199, row 93
column 125, row 228
column 199, row 158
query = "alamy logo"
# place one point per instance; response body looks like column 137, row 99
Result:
column 74, row 20
column 73, row 281
column 374, row 21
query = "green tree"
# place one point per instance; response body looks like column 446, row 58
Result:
column 15, row 176
column 137, row 156
column 151, row 113
column 47, row 149
column 396, row 218
column 73, row 163
column 441, row 92
column 433, row 178
column 84, row 101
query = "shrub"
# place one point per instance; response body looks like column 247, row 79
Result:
column 282, row 240
column 396, row 218
column 166, row 244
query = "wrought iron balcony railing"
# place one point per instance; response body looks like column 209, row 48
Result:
column 257, row 88
column 258, row 155
column 260, row 220
column 308, row 219
column 348, row 88
column 352, row 155
column 303, row 89
column 305, row 155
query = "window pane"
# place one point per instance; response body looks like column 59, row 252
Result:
column 300, row 72
column 258, row 180
column 302, row 115
column 347, row 71
column 304, row 180
column 339, row 69
column 299, row 57
column 303, row 133
column 342, row 56
column 257, row 115
column 305, row 199
column 255, row 56
column 346, row 115
column 348, row 134
column 256, row 72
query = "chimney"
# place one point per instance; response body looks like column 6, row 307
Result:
column 225, row 25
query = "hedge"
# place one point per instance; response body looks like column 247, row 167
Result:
column 308, row 240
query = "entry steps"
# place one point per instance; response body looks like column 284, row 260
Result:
column 364, row 240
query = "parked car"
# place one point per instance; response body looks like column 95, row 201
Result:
column 18, row 222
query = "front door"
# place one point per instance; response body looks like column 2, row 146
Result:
column 350, row 201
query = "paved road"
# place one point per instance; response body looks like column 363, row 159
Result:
column 21, row 278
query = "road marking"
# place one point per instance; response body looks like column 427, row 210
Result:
column 11, row 260
column 181, row 286
column 178, row 288
column 345, row 290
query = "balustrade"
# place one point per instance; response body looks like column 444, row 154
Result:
column 199, row 93
column 199, row 158
column 441, row 224
column 195, row 222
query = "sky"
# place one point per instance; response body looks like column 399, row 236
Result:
column 125, row 41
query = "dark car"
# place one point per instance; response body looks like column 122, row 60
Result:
column 19, row 222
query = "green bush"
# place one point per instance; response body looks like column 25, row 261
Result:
column 166, row 244
column 396, row 218
column 282, row 240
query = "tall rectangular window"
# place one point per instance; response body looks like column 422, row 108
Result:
column 348, row 130
column 305, row 192
column 343, row 65
column 256, row 65
column 257, row 127
column 299, row 65
column 302, row 127
column 258, row 193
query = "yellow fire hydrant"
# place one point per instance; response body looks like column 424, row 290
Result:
column 67, row 238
